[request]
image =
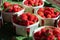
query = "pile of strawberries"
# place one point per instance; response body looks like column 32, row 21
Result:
column 11, row 7
column 58, row 23
column 48, row 12
column 33, row 2
column 47, row 33
column 25, row 19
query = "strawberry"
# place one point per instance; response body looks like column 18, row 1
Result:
column 43, row 30
column 43, row 16
column 15, row 19
column 31, row 22
column 58, row 38
column 23, row 17
column 31, row 17
column 26, row 2
column 56, row 31
column 36, row 2
column 53, row 15
column 48, row 16
column 41, row 13
column 28, row 14
column 41, row 9
column 57, row 13
column 31, row 2
column 16, row 8
column 6, row 4
column 37, row 34
column 46, row 12
column 26, row 23
column 50, row 37
column 35, row 19
column 40, row 3
column 10, row 8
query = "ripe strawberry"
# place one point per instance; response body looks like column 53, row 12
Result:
column 28, row 14
column 6, row 4
column 58, row 38
column 41, row 9
column 23, row 17
column 26, row 2
column 56, row 31
column 40, row 3
column 31, row 2
column 16, row 8
column 50, row 37
column 31, row 17
column 19, row 8
column 35, row 19
column 41, row 13
column 43, row 16
column 31, row 22
column 46, row 12
column 57, row 13
column 26, row 23
column 37, row 34
column 10, row 8
column 53, row 15
column 15, row 19
column 43, row 30
column 48, row 16
column 36, row 2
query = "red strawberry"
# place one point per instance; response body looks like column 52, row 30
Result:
column 37, row 34
column 10, row 8
column 31, row 2
column 23, row 17
column 16, row 8
column 41, row 9
column 19, row 8
column 28, row 14
column 56, row 31
column 36, row 2
column 31, row 22
column 26, row 2
column 43, row 30
column 51, row 37
column 57, row 13
column 41, row 13
column 31, row 17
column 53, row 15
column 43, row 16
column 58, row 38
column 6, row 4
column 46, row 12
column 48, row 16
column 14, row 19
column 26, row 23
column 35, row 19
column 40, row 3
